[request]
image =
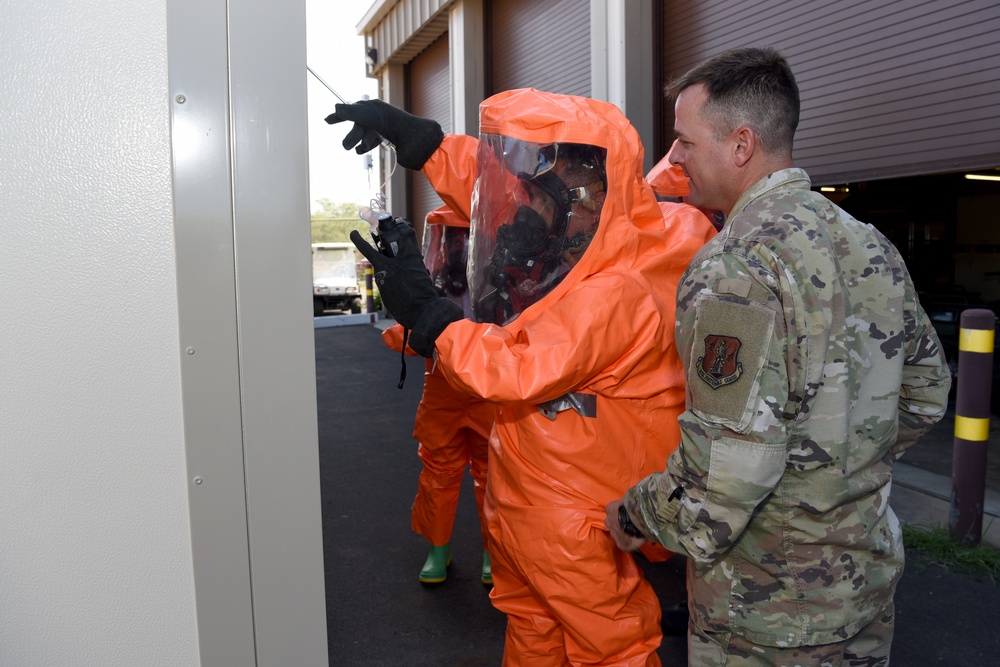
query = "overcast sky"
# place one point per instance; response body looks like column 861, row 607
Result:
column 335, row 52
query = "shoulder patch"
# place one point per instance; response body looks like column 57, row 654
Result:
column 730, row 349
column 720, row 365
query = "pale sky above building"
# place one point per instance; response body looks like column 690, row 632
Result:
column 336, row 53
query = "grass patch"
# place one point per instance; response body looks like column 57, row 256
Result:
column 935, row 545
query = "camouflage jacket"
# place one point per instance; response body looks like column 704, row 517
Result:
column 810, row 368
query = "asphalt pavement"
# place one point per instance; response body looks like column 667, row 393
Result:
column 378, row 614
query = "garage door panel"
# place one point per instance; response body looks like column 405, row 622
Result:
column 982, row 120
column 430, row 97
column 821, row 29
column 890, row 167
column 887, row 87
column 975, row 100
column 544, row 45
column 975, row 138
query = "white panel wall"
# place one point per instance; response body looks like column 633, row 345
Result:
column 95, row 549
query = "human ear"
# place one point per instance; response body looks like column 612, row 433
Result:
column 744, row 144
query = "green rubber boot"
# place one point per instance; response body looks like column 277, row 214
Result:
column 435, row 569
column 487, row 569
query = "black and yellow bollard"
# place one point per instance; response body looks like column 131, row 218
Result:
column 369, row 289
column 972, row 425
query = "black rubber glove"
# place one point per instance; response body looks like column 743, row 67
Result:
column 415, row 138
column 407, row 290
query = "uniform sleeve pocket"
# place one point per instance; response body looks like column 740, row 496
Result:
column 728, row 353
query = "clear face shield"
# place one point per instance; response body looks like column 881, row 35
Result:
column 535, row 210
column 446, row 252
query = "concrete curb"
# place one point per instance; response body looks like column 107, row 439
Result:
column 923, row 498
column 345, row 320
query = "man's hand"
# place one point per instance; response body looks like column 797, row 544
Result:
column 407, row 290
column 415, row 138
column 624, row 541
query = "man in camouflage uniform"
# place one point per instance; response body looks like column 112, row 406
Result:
column 810, row 368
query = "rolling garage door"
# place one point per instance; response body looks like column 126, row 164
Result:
column 430, row 97
column 543, row 45
column 888, row 89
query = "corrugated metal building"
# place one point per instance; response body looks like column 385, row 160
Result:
column 900, row 99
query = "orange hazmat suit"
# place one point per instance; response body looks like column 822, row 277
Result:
column 604, row 333
column 452, row 429
column 668, row 180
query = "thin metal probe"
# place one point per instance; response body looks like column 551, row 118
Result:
column 328, row 86
column 386, row 144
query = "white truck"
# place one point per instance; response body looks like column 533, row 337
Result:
column 335, row 278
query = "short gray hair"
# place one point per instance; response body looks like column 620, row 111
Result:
column 751, row 86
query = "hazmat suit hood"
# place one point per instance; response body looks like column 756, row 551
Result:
column 547, row 127
column 667, row 179
column 446, row 252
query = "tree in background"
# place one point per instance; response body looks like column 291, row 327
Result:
column 335, row 222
